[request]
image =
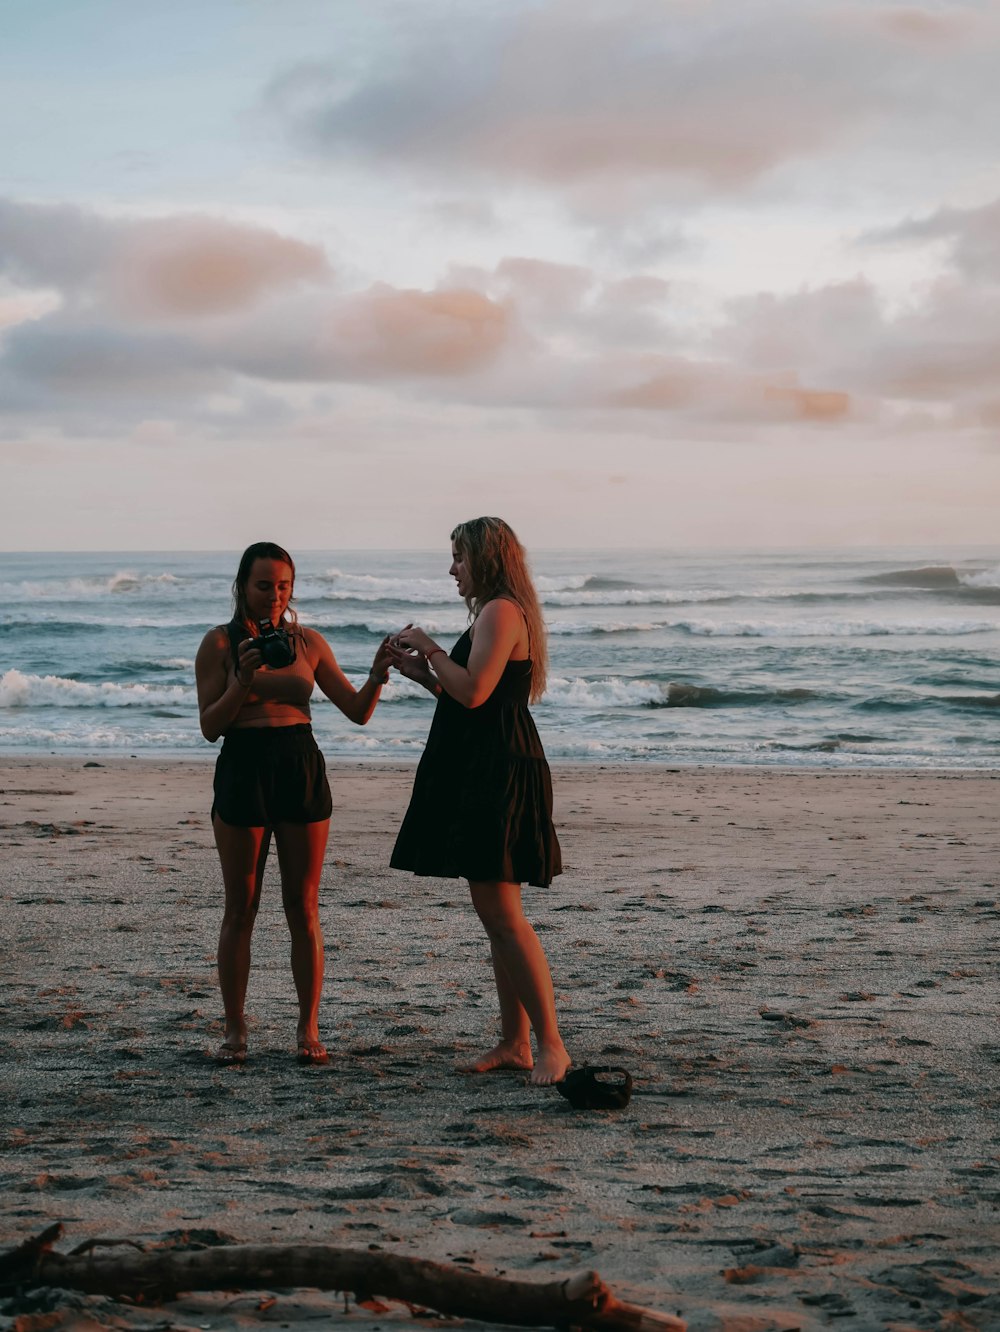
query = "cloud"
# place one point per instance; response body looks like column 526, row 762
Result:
column 723, row 391
column 127, row 315
column 64, row 356
column 179, row 266
column 919, row 24
column 383, row 334
column 551, row 288
column 558, row 339
column 809, row 404
column 474, row 214
column 609, row 101
column 817, row 330
column 972, row 236
column 154, row 320
column 574, row 304
column 941, row 351
column 946, row 351
column 443, row 332
column 201, row 266
column 53, row 245
column 20, row 307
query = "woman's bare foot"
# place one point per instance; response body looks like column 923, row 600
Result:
column 233, row 1049
column 312, row 1052
column 505, row 1054
column 309, row 1048
column 552, row 1065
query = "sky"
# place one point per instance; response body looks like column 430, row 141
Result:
column 664, row 273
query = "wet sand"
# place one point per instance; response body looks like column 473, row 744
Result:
column 798, row 968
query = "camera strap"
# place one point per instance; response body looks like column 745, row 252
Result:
column 237, row 631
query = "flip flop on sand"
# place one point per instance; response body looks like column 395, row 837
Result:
column 231, row 1054
column 312, row 1052
column 600, row 1088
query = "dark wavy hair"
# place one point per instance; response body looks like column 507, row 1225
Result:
column 260, row 550
column 498, row 567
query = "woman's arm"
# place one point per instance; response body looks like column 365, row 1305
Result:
column 219, row 698
column 499, row 628
column 357, row 705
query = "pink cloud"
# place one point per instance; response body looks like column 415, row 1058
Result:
column 717, row 390
column 387, row 331
column 600, row 98
column 922, row 25
column 810, row 404
column 193, row 267
column 179, row 266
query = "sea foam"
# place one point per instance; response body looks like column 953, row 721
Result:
column 20, row 690
column 986, row 578
column 821, row 627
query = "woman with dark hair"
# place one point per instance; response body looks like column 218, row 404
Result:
column 255, row 677
column 481, row 807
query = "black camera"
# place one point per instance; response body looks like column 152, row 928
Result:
column 275, row 645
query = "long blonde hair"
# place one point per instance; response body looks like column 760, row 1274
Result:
column 498, row 567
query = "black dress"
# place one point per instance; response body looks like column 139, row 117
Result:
column 481, row 807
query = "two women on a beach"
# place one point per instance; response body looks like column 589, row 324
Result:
column 481, row 807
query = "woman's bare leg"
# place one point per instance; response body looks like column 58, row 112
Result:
column 300, row 849
column 513, row 1050
column 243, row 854
column 524, row 986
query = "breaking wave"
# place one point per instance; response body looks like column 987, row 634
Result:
column 334, row 585
column 824, row 628
column 613, row 691
column 20, row 690
column 76, row 589
column 986, row 578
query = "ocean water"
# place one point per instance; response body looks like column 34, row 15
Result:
column 855, row 659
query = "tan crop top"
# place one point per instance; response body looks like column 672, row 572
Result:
column 287, row 687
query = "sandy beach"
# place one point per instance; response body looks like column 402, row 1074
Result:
column 798, row 968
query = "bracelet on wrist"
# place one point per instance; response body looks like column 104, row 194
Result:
column 433, row 652
column 378, row 679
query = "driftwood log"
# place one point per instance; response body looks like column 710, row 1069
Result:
column 581, row 1301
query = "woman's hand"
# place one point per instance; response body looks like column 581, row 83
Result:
column 414, row 666
column 413, row 637
column 383, row 660
column 410, row 661
column 250, row 660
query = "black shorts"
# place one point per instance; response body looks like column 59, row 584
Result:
column 271, row 774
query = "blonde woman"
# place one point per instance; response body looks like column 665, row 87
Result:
column 481, row 807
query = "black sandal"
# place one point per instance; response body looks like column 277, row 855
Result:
column 596, row 1088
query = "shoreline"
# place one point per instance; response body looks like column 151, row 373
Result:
column 795, row 965
column 571, row 767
